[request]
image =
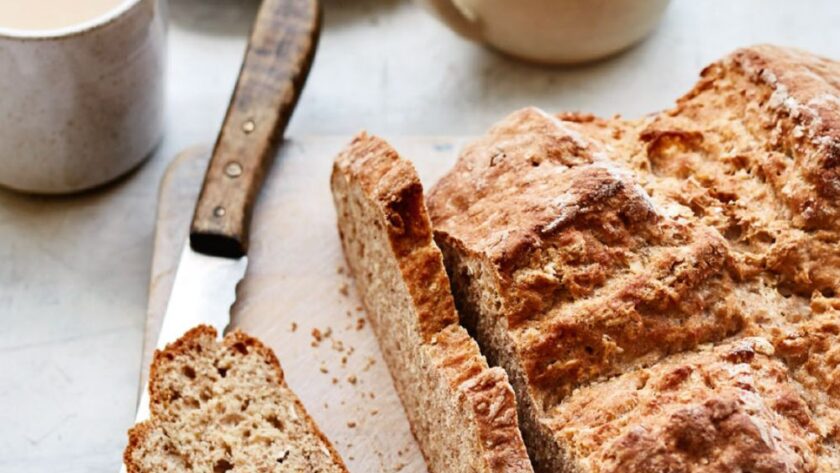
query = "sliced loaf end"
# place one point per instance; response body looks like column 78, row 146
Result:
column 223, row 405
column 462, row 412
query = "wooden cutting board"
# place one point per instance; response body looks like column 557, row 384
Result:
column 298, row 298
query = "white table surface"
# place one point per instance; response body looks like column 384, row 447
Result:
column 74, row 270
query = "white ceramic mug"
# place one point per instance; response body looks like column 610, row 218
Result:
column 83, row 104
column 552, row 31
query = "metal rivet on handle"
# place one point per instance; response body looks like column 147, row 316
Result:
column 219, row 211
column 233, row 169
column 249, row 126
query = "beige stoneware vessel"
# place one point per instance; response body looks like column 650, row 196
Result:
column 81, row 105
column 552, row 31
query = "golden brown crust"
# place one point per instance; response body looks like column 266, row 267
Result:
column 733, row 406
column 441, row 376
column 593, row 273
column 804, row 109
column 489, row 395
column 393, row 184
column 581, row 248
column 190, row 344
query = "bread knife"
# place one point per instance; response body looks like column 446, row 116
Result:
column 214, row 258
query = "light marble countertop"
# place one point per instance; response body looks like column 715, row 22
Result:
column 74, row 270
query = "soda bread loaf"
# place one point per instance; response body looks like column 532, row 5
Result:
column 462, row 412
column 223, row 406
column 663, row 292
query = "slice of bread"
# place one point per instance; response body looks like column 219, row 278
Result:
column 582, row 249
column 462, row 412
column 221, row 406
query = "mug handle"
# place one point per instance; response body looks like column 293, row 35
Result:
column 454, row 16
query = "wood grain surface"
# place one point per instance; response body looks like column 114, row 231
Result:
column 298, row 298
column 277, row 61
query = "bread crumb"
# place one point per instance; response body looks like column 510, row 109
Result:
column 374, row 412
column 360, row 323
column 372, row 395
column 351, row 424
column 294, row 326
column 343, row 290
column 399, row 466
column 344, row 360
column 340, row 270
column 324, row 369
column 370, row 362
column 335, row 380
column 352, row 379
column 358, row 308
column 328, row 332
column 316, row 334
column 349, row 314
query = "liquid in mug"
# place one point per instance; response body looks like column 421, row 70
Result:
column 52, row 14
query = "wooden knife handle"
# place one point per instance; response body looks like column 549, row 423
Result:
column 277, row 61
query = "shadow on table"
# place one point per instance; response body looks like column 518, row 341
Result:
column 234, row 17
column 346, row 13
column 214, row 17
column 517, row 83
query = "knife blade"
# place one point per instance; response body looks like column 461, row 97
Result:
column 203, row 291
column 213, row 261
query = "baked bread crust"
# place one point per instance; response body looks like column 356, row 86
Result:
column 581, row 248
column 187, row 376
column 462, row 412
column 717, row 409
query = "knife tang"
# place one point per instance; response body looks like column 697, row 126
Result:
column 280, row 52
